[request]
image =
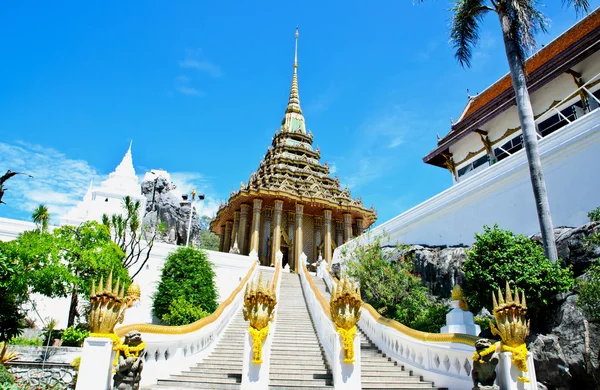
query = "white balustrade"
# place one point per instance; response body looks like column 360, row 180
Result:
column 345, row 375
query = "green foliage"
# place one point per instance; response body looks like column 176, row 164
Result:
column 187, row 274
column 484, row 323
column 388, row 284
column 5, row 376
column 41, row 217
column 594, row 215
column 499, row 256
column 207, row 239
column 162, row 228
column 11, row 316
column 589, row 292
column 181, row 312
column 73, row 337
column 34, row 342
column 9, row 386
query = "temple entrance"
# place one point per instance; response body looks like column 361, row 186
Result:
column 285, row 259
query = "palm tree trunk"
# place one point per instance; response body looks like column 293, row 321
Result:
column 517, row 72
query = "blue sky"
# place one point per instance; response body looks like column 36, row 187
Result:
column 200, row 87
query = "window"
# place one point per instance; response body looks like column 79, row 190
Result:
column 556, row 121
column 473, row 165
column 512, row 146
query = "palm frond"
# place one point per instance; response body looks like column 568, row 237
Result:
column 464, row 32
column 581, row 6
column 527, row 20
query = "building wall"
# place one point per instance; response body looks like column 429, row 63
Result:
column 502, row 194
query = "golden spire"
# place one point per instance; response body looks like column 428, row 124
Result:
column 294, row 101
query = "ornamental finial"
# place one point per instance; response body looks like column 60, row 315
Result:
column 296, row 51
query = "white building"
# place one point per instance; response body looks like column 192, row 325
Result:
column 484, row 151
column 108, row 198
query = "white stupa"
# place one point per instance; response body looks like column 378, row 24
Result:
column 108, row 198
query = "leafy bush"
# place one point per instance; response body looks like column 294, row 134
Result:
column 388, row 284
column 499, row 256
column 594, row 215
column 5, row 376
column 73, row 337
column 189, row 275
column 589, row 292
column 20, row 340
column 9, row 386
column 181, row 312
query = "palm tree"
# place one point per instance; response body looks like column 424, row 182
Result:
column 41, row 216
column 520, row 20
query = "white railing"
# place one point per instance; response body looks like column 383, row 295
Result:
column 345, row 375
column 256, row 376
column 447, row 364
column 170, row 349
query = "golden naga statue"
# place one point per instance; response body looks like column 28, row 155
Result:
column 512, row 326
column 108, row 305
column 345, row 307
column 259, row 306
column 458, row 295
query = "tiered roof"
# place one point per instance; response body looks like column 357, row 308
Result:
column 291, row 171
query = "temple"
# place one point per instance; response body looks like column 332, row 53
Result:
column 563, row 80
column 290, row 204
column 108, row 198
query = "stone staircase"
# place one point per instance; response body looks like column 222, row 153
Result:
column 377, row 370
column 297, row 360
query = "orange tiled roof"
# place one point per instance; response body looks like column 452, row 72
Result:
column 565, row 40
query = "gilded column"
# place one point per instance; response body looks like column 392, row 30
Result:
column 244, row 209
column 235, row 233
column 276, row 240
column 327, row 219
column 347, row 227
column 254, row 238
column 264, row 247
column 222, row 239
column 359, row 226
column 227, row 241
column 298, row 241
column 317, row 236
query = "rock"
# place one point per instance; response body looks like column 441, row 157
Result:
column 163, row 205
column 573, row 247
column 551, row 367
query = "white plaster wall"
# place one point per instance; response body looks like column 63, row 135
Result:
column 502, row 194
column 11, row 228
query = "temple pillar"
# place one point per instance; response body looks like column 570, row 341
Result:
column 359, row 226
column 291, row 222
column 264, row 241
column 254, row 238
column 235, row 233
column 222, row 239
column 227, row 241
column 347, row 227
column 318, row 224
column 244, row 209
column 339, row 232
column 276, row 240
column 327, row 220
column 298, row 241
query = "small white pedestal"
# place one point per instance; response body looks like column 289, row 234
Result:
column 460, row 321
column 256, row 376
column 96, row 364
column 507, row 374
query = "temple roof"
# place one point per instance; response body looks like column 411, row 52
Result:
column 543, row 66
column 291, row 170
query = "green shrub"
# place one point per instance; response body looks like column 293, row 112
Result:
column 5, row 376
column 73, row 337
column 181, row 312
column 187, row 274
column 391, row 288
column 589, row 292
column 594, row 215
column 20, row 340
column 499, row 256
column 10, row 386
column 484, row 323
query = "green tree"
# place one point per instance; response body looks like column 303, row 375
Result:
column 126, row 231
column 207, row 240
column 11, row 316
column 389, row 285
column 519, row 20
column 41, row 217
column 499, row 256
column 589, row 292
column 187, row 279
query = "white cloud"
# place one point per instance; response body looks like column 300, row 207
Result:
column 182, row 85
column 332, row 169
column 59, row 182
column 195, row 60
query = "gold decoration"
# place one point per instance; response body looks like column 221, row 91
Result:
column 344, row 307
column 512, row 326
column 450, row 164
column 259, row 305
column 134, row 290
column 478, row 356
column 458, row 295
column 108, row 305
